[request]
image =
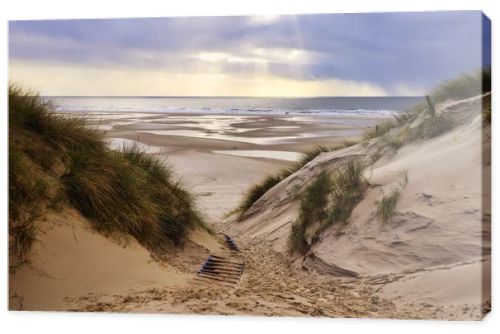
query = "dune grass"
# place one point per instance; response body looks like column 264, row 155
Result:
column 312, row 209
column 409, row 114
column 378, row 130
column 297, row 242
column 431, row 126
column 27, row 191
column 55, row 159
column 464, row 86
column 259, row 189
column 387, row 204
column 310, row 155
column 330, row 198
column 348, row 185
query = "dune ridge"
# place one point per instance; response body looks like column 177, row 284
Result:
column 437, row 222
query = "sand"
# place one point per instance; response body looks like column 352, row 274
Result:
column 437, row 223
column 402, row 269
column 70, row 260
column 268, row 287
column 211, row 156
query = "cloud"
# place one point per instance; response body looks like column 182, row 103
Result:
column 402, row 89
column 385, row 50
column 60, row 80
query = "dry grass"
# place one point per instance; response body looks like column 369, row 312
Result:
column 327, row 200
column 387, row 204
column 55, row 160
column 313, row 208
column 378, row 130
column 464, row 86
column 409, row 114
column 297, row 242
column 259, row 189
column 348, row 186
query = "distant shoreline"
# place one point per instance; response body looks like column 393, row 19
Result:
column 328, row 106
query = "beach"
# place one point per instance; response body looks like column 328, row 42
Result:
column 367, row 268
column 218, row 157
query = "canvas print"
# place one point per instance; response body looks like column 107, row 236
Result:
column 331, row 165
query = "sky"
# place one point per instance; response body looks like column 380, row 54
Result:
column 379, row 54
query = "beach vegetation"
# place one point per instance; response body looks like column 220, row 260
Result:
column 409, row 114
column 56, row 160
column 312, row 209
column 347, row 190
column 330, row 198
column 464, row 86
column 297, row 242
column 430, row 126
column 258, row 190
column 378, row 130
column 311, row 155
column 387, row 205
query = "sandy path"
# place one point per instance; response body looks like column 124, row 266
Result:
column 268, row 288
column 218, row 181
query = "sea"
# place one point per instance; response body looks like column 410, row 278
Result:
column 348, row 106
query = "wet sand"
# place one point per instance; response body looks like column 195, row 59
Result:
column 218, row 157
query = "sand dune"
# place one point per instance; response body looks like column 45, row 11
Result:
column 437, row 223
column 70, row 260
column 425, row 262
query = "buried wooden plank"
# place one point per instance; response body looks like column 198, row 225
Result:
column 222, row 270
column 222, row 275
column 222, row 264
column 217, row 278
column 223, row 267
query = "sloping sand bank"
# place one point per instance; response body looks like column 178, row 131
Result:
column 69, row 260
column 437, row 221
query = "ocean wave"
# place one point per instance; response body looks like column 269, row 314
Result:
column 332, row 106
column 228, row 111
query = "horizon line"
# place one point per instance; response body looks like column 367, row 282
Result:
column 227, row 96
